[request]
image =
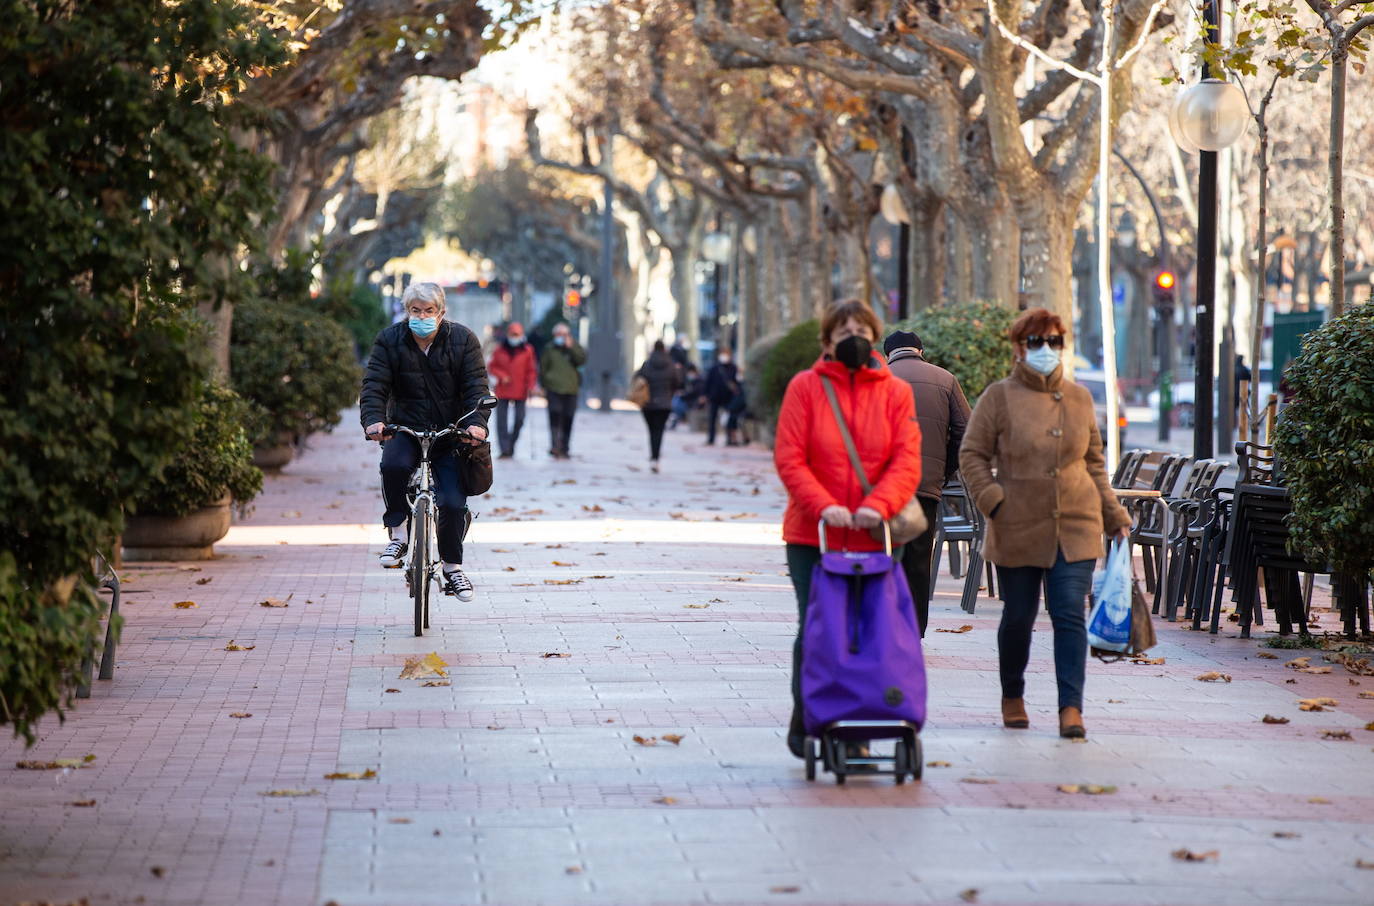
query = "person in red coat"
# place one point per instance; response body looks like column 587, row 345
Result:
column 814, row 465
column 514, row 369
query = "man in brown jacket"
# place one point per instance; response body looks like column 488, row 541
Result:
column 943, row 413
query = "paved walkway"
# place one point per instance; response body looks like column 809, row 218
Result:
column 616, row 604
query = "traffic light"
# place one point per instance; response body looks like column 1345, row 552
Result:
column 572, row 303
column 1165, row 283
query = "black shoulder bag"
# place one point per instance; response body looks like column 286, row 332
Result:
column 474, row 459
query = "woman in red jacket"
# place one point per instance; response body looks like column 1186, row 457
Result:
column 514, row 370
column 814, row 465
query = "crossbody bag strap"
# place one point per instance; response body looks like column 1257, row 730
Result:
column 844, row 434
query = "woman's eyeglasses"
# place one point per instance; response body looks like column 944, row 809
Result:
column 1034, row 341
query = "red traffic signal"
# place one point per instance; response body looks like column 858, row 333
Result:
column 1165, row 280
column 572, row 298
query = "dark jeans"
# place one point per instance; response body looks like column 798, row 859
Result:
column 916, row 559
column 400, row 459
column 656, row 419
column 562, row 408
column 508, row 435
column 1067, row 591
column 731, row 421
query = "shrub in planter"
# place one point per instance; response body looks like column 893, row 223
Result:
column 1325, row 442
column 968, row 339
column 794, row 352
column 755, row 357
column 211, row 461
column 295, row 365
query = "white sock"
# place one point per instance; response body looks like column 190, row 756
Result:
column 452, row 567
column 399, row 533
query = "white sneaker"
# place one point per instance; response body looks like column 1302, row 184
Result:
column 456, row 583
column 393, row 555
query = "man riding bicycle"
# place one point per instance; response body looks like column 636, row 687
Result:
column 423, row 373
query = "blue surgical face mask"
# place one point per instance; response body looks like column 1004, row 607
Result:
column 516, row 341
column 560, row 340
column 1044, row 359
column 423, row 327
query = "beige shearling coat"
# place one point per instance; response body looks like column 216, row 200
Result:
column 1040, row 434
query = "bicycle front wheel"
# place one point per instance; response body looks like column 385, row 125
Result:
column 419, row 563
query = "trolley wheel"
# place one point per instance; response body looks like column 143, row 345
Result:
column 810, row 745
column 917, row 759
column 838, row 763
column 901, row 762
column 419, row 565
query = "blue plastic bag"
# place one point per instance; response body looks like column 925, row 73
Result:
column 1109, row 624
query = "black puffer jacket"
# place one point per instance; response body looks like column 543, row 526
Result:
column 394, row 389
column 664, row 377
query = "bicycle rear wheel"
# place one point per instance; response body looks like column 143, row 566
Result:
column 419, row 564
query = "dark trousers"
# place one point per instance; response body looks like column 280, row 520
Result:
column 657, row 420
column 1067, row 585
column 400, row 459
column 562, row 408
column 731, row 420
column 508, row 435
column 916, row 559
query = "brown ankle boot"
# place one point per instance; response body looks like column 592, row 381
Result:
column 1014, row 713
column 1071, row 723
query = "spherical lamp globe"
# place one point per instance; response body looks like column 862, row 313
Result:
column 1211, row 115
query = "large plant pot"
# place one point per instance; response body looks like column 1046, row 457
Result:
column 190, row 537
column 272, row 459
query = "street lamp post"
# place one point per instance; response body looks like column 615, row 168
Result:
column 1206, row 118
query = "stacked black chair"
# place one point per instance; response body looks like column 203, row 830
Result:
column 1261, row 545
column 1182, row 548
column 1149, row 515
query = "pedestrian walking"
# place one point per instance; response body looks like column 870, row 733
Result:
column 559, row 375
column 424, row 373
column 515, row 371
column 664, row 377
column 814, row 465
column 678, row 351
column 942, row 411
column 722, row 387
column 1047, row 506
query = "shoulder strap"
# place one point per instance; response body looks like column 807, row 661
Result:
column 844, row 434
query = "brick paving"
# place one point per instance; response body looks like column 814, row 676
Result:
column 521, row 782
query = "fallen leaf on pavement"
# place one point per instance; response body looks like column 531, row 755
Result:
column 391, row 690
column 185, row 605
column 1267, row 655
column 734, row 579
column 399, row 821
column 970, row 895
column 1318, row 671
column 206, row 581
column 1286, row 835
column 1271, row 719
column 435, row 682
column 1319, row 800
column 1187, row 855
column 1091, row 789
column 561, row 563
column 351, row 775
column 976, row 780
column 1299, row 663
column 234, row 647
column 240, row 714
column 501, row 550
column 1367, row 695
column 547, row 654
column 1290, row 681
column 674, row 738
column 420, row 667
column 646, row 740
column 1316, row 704
column 696, row 606
column 573, row 870
column 274, row 602
column 1369, row 726
column 666, row 800
column 937, row 764
column 1212, row 676
column 1148, row 661
column 554, row 547
column 83, row 803
column 55, row 765
column 562, row 581
column 532, row 513
column 291, row 514
column 677, row 516
column 1337, row 734
column 286, row 794
column 785, row 888
column 158, row 871
column 594, row 508
column 965, row 628
column 1361, row 863
column 601, row 577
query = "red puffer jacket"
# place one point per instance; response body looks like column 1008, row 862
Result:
column 810, row 453
column 514, row 371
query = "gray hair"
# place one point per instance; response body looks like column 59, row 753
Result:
column 424, row 292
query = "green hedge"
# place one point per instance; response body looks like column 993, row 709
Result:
column 968, row 339
column 295, row 365
column 214, row 458
column 1325, row 442
column 796, row 351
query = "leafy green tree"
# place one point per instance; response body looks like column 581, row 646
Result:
column 969, row 340
column 1325, row 442
column 123, row 193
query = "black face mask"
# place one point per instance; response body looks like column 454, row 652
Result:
column 853, row 352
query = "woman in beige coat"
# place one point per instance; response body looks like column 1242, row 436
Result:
column 1047, row 507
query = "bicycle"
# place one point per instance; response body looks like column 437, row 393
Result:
column 421, row 522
